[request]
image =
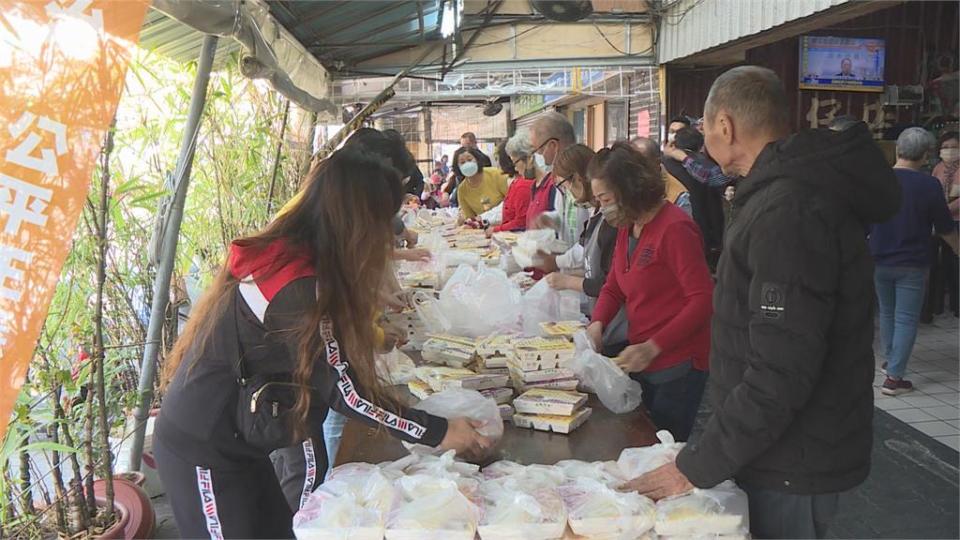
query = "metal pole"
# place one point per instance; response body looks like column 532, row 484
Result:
column 161, row 283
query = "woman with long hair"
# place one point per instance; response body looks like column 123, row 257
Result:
column 283, row 333
column 660, row 276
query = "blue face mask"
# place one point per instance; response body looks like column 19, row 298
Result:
column 469, row 168
column 541, row 163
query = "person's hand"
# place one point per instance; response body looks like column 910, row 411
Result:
column 664, row 481
column 672, row 152
column 638, row 357
column 561, row 282
column 462, row 436
column 489, row 232
column 414, row 255
column 545, row 221
column 398, row 300
column 548, row 262
column 595, row 333
column 393, row 336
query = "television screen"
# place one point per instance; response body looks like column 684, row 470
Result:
column 839, row 63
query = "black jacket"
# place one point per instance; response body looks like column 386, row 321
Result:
column 706, row 205
column 199, row 414
column 791, row 359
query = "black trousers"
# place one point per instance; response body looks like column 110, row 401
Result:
column 235, row 502
column 774, row 514
column 673, row 404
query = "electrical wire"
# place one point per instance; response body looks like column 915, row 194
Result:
column 614, row 47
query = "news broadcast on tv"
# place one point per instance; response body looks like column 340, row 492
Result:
column 842, row 63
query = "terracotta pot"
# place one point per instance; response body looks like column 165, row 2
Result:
column 138, row 516
column 122, row 522
column 135, row 477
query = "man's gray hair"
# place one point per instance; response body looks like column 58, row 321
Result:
column 553, row 125
column 753, row 96
column 519, row 146
column 914, row 143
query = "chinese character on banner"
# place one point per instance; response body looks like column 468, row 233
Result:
column 822, row 111
column 58, row 105
column 24, row 154
column 22, row 202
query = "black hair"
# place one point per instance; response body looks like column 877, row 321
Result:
column 455, row 162
column 385, row 144
column 947, row 135
column 689, row 139
column 504, row 161
column 682, row 118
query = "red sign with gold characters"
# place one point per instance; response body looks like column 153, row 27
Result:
column 62, row 67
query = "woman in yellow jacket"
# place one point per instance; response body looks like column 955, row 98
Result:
column 481, row 188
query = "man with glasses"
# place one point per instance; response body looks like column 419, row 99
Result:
column 551, row 206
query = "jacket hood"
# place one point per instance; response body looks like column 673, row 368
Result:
column 847, row 166
column 260, row 261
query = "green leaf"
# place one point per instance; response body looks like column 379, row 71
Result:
column 49, row 446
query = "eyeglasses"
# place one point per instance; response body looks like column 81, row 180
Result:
column 546, row 142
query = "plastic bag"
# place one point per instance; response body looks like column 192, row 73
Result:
column 480, row 302
column 462, row 403
column 511, row 511
column 596, row 510
column 353, row 503
column 543, row 304
column 722, row 510
column 429, row 508
column 428, row 309
column 616, row 390
column 605, row 472
column 634, row 462
column 395, row 367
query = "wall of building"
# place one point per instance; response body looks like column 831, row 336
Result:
column 921, row 45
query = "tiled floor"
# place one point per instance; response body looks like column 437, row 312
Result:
column 934, row 368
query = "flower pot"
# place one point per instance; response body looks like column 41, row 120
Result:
column 120, row 524
column 137, row 515
column 135, row 477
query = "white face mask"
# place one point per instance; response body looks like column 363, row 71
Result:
column 469, row 168
column 541, row 163
column 950, row 154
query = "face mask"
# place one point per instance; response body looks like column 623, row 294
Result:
column 469, row 168
column 672, row 137
column 950, row 154
column 541, row 163
column 612, row 214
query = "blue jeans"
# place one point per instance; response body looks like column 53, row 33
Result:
column 332, row 432
column 900, row 295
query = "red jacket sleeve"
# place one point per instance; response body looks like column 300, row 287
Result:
column 683, row 246
column 611, row 296
column 515, row 209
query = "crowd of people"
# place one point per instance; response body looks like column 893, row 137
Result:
column 765, row 296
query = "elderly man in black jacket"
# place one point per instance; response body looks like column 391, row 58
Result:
column 791, row 360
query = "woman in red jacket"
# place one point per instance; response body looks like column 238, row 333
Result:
column 660, row 276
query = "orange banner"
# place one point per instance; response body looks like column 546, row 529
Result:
column 62, row 67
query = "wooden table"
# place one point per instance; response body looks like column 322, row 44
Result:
column 601, row 438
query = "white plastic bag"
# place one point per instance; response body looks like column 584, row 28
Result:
column 428, row 309
column 635, row 462
column 352, row 504
column 512, row 511
column 480, row 302
column 543, row 304
column 462, row 403
column 606, row 472
column 595, row 510
column 722, row 510
column 395, row 367
column 616, row 390
column 429, row 508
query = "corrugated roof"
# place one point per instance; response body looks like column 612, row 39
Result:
column 179, row 42
column 692, row 26
column 338, row 33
